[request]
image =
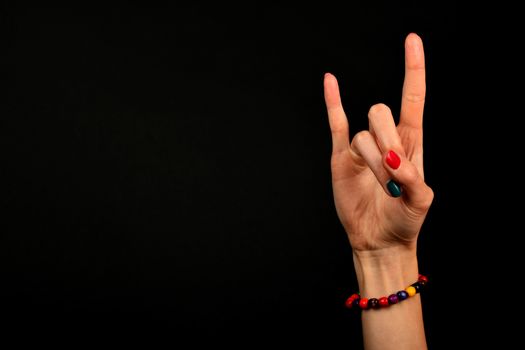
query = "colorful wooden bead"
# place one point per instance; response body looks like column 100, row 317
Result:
column 411, row 291
column 383, row 301
column 355, row 303
column 393, row 299
column 417, row 286
column 402, row 295
column 363, row 303
column 373, row 303
column 349, row 302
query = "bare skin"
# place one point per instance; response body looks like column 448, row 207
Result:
column 383, row 229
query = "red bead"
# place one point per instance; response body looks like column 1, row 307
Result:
column 363, row 303
column 383, row 302
column 350, row 300
column 423, row 278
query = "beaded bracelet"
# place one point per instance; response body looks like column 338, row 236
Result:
column 373, row 303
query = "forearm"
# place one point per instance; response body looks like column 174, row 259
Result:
column 381, row 273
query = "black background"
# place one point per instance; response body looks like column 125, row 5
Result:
column 166, row 170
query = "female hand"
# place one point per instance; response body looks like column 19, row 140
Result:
column 382, row 199
column 366, row 200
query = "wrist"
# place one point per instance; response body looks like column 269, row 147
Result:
column 385, row 271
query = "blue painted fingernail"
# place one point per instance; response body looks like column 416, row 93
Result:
column 393, row 188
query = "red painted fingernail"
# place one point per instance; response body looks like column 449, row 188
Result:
column 393, row 160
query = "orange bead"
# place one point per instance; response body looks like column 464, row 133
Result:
column 411, row 291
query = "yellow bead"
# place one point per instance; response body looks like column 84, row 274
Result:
column 411, row 291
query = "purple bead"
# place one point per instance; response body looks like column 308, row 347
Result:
column 393, row 299
column 402, row 295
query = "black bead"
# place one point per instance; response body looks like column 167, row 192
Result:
column 355, row 303
column 422, row 283
column 417, row 286
column 373, row 303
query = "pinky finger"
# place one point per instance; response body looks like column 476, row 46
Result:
column 336, row 115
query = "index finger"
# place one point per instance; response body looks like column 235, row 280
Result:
column 414, row 88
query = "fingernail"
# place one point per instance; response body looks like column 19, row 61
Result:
column 393, row 188
column 393, row 160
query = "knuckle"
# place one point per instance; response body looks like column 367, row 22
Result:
column 361, row 136
column 339, row 128
column 428, row 198
column 423, row 201
column 414, row 97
